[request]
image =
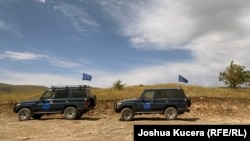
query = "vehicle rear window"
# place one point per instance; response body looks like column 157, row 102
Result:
column 178, row 94
column 78, row 93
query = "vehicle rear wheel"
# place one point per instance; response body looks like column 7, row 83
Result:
column 24, row 114
column 189, row 102
column 127, row 114
column 37, row 116
column 70, row 113
column 171, row 113
column 93, row 101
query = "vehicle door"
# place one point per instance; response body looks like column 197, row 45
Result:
column 44, row 104
column 78, row 97
column 60, row 100
column 53, row 101
column 146, row 101
column 178, row 98
column 160, row 100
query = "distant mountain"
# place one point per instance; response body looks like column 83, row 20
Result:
column 9, row 89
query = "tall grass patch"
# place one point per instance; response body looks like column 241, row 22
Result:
column 13, row 94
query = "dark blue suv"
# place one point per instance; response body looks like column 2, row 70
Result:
column 71, row 101
column 168, row 101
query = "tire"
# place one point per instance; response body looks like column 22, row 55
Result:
column 79, row 115
column 24, row 114
column 70, row 113
column 171, row 113
column 127, row 114
column 37, row 116
column 93, row 102
column 189, row 102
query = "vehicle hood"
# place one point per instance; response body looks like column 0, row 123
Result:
column 29, row 101
column 129, row 100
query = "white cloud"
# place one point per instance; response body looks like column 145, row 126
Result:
column 215, row 32
column 21, row 55
column 42, row 1
column 164, row 23
column 43, row 79
column 3, row 26
column 100, row 78
column 53, row 61
column 6, row 27
column 80, row 19
column 137, row 40
column 63, row 63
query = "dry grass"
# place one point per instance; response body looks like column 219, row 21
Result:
column 21, row 96
column 191, row 91
column 20, row 93
column 14, row 93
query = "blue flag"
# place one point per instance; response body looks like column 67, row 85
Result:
column 86, row 77
column 182, row 79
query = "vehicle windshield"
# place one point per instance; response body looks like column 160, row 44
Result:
column 48, row 95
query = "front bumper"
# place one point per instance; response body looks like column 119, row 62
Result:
column 117, row 107
column 16, row 107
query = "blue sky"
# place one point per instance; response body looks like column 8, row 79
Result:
column 146, row 42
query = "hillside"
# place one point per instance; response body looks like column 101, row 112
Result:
column 7, row 88
column 11, row 93
column 209, row 106
column 15, row 93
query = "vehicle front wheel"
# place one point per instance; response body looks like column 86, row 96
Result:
column 70, row 113
column 171, row 113
column 127, row 114
column 24, row 114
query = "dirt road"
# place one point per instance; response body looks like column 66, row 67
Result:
column 104, row 125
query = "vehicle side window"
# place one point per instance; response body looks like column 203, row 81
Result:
column 161, row 94
column 169, row 94
column 78, row 93
column 88, row 93
column 48, row 95
column 61, row 94
column 178, row 94
column 148, row 95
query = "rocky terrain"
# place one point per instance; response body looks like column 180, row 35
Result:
column 102, row 124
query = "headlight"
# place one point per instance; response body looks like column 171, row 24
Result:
column 118, row 104
column 17, row 104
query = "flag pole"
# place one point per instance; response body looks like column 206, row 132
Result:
column 179, row 84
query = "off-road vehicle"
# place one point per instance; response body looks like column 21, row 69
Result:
column 71, row 101
column 168, row 101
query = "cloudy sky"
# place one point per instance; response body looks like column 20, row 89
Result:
column 48, row 43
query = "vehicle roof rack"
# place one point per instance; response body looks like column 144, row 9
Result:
column 70, row 86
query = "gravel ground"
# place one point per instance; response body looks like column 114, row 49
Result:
column 103, row 124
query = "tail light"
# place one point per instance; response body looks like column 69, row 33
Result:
column 86, row 104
